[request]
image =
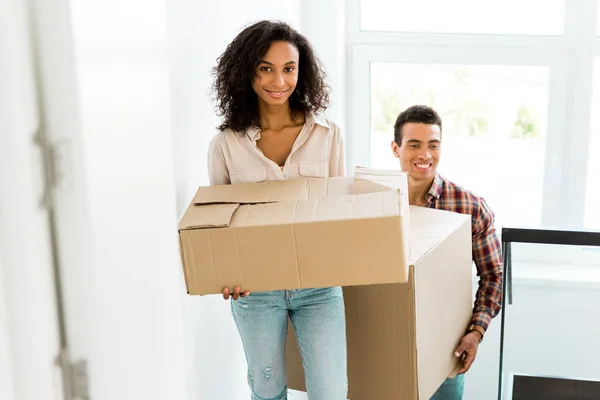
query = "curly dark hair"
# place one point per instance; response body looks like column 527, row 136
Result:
column 237, row 102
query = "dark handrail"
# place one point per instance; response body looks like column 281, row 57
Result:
column 550, row 236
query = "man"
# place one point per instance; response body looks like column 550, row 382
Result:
column 417, row 144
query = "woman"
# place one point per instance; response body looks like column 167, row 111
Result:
column 270, row 91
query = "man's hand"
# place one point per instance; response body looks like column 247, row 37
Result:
column 236, row 293
column 467, row 350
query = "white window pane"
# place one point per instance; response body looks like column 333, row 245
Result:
column 494, row 125
column 592, row 209
column 526, row 17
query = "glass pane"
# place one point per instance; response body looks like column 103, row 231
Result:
column 549, row 332
column 494, row 124
column 525, row 17
column 592, row 210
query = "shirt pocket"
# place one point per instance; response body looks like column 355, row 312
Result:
column 249, row 176
column 313, row 170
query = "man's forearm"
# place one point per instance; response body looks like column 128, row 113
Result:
column 488, row 299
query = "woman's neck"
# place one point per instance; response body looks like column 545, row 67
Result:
column 275, row 117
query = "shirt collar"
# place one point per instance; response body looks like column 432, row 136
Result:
column 311, row 119
column 435, row 190
column 319, row 119
column 253, row 132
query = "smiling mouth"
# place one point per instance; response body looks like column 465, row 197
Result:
column 276, row 94
column 423, row 165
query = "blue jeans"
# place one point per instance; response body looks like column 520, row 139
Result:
column 451, row 389
column 319, row 322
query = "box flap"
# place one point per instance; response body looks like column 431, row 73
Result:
column 376, row 180
column 273, row 191
column 428, row 227
column 392, row 178
column 361, row 186
column 431, row 222
column 369, row 205
column 250, row 193
column 207, row 216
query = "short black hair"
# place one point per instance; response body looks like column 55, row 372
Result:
column 237, row 102
column 418, row 114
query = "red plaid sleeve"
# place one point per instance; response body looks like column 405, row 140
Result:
column 487, row 255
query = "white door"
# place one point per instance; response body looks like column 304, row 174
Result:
column 29, row 334
column 106, row 110
column 113, row 224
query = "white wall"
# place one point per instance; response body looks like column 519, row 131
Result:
column 324, row 25
column 198, row 33
column 7, row 384
column 120, row 58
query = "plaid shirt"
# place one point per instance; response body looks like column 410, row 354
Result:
column 487, row 251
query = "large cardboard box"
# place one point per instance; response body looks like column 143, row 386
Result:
column 401, row 336
column 305, row 233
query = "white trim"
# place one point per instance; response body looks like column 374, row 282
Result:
column 352, row 19
column 359, row 145
column 554, row 161
column 569, row 56
column 571, row 276
column 459, row 39
column 442, row 54
column 363, row 55
column 581, row 34
column 351, row 14
column 555, row 255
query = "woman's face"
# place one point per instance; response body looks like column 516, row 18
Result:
column 277, row 74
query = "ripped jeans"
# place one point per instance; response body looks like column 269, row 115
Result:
column 320, row 326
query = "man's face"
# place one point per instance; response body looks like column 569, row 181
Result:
column 419, row 152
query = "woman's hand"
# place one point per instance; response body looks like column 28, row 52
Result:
column 236, row 293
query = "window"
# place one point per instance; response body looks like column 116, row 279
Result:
column 464, row 16
column 592, row 210
column 492, row 116
column 515, row 99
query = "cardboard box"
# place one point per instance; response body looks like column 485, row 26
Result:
column 305, row 233
column 401, row 336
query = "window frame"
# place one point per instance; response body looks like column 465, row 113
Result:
column 570, row 58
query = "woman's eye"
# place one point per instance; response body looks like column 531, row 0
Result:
column 265, row 69
column 289, row 69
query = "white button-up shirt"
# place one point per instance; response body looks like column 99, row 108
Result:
column 318, row 151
